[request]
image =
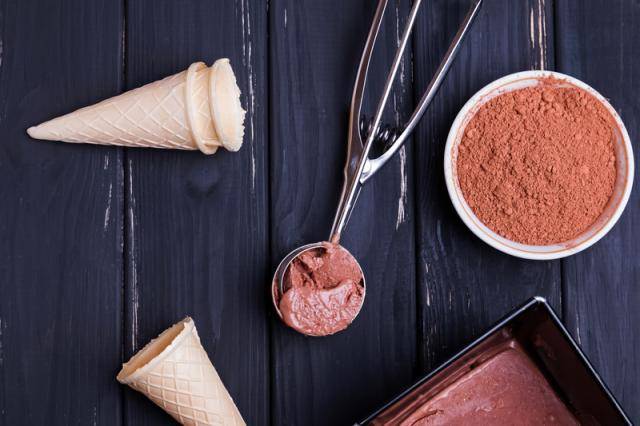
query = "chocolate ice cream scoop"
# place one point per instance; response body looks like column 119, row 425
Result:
column 323, row 290
column 315, row 289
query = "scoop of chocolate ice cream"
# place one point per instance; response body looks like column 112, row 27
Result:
column 324, row 290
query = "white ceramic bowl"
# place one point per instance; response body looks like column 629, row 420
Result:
column 613, row 210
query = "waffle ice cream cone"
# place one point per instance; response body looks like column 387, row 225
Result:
column 174, row 371
column 195, row 109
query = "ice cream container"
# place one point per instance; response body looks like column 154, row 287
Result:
column 539, row 333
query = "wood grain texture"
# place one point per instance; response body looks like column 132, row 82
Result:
column 197, row 225
column 599, row 45
column 315, row 50
column 464, row 284
column 60, row 218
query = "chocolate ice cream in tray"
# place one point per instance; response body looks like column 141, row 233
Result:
column 525, row 370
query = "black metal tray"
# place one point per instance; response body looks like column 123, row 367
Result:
column 537, row 328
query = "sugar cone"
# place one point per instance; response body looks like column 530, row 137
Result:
column 195, row 109
column 174, row 371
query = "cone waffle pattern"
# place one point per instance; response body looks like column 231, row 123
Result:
column 150, row 116
column 185, row 384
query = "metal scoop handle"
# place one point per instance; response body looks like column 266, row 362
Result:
column 359, row 167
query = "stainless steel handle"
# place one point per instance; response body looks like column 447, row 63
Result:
column 374, row 164
column 359, row 167
column 355, row 150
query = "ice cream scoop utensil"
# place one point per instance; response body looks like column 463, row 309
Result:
column 359, row 167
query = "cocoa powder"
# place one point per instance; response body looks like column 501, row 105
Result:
column 537, row 165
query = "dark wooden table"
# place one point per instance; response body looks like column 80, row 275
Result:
column 102, row 248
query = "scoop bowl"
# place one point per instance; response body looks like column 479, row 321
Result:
column 277, row 283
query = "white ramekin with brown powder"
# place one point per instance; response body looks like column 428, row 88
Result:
column 621, row 189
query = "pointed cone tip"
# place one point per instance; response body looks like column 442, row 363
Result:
column 33, row 132
column 40, row 132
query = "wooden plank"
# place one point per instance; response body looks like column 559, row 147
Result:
column 315, row 49
column 598, row 43
column 197, row 225
column 60, row 218
column 465, row 285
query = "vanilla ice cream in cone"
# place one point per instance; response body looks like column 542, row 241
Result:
column 195, row 109
column 174, row 371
